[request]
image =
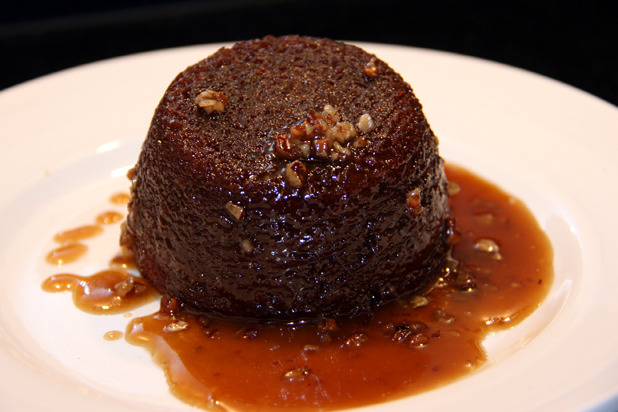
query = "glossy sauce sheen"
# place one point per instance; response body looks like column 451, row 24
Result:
column 503, row 272
column 120, row 198
column 107, row 218
column 66, row 253
column 105, row 292
column 113, row 335
column 71, row 248
column 109, row 291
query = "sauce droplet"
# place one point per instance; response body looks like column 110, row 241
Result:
column 107, row 218
column 66, row 253
column 78, row 233
column 120, row 198
column 124, row 260
column 113, row 335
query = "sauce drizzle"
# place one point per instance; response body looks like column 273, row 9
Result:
column 66, row 253
column 106, row 292
column 109, row 217
column 78, row 233
column 113, row 335
column 120, row 198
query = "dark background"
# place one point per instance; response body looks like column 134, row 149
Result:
column 574, row 42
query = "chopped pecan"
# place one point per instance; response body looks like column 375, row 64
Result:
column 295, row 174
column 211, row 101
column 413, row 201
column 370, row 69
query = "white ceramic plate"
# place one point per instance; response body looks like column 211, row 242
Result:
column 68, row 138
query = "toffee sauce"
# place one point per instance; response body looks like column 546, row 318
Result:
column 109, row 291
column 106, row 292
column 500, row 272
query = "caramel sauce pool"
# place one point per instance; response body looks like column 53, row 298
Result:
column 502, row 270
column 106, row 292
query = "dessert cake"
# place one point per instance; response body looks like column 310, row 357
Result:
column 288, row 178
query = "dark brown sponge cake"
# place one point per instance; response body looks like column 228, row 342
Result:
column 288, row 178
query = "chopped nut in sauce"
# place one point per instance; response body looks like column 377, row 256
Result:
column 444, row 317
column 489, row 247
column 418, row 339
column 297, row 374
column 176, row 326
column 235, row 210
column 418, row 301
column 124, row 287
column 356, row 340
column 169, row 305
column 412, row 333
column 464, row 281
column 211, row 101
column 311, row 348
column 247, row 333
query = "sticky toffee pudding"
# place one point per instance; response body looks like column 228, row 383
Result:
column 311, row 249
column 286, row 179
